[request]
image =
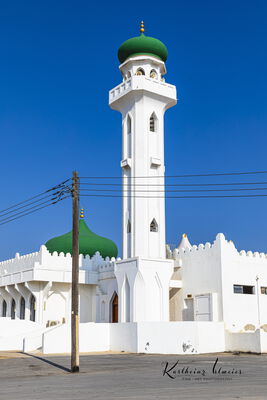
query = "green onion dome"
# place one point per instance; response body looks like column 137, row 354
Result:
column 89, row 243
column 142, row 45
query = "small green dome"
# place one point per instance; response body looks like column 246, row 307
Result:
column 142, row 45
column 89, row 243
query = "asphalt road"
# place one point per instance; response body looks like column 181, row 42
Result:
column 132, row 376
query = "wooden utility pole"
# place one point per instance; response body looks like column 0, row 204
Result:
column 75, row 358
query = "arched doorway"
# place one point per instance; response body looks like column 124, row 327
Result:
column 13, row 309
column 4, row 308
column 22, row 308
column 32, row 308
column 115, row 308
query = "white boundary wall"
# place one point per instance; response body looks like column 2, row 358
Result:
column 142, row 337
column 254, row 342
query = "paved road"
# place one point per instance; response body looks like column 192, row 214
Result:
column 131, row 376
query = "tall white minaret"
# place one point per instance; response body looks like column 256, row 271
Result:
column 142, row 98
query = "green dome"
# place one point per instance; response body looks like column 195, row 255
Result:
column 142, row 45
column 89, row 243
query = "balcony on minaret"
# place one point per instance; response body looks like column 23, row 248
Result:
column 142, row 83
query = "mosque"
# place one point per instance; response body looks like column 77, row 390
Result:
column 194, row 299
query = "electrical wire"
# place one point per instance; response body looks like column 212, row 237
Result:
column 173, row 184
column 178, row 176
column 30, row 212
column 174, row 197
column 164, row 191
column 52, row 196
column 22, row 212
column 34, row 197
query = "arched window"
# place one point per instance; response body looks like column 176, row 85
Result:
column 128, row 75
column 22, row 308
column 128, row 226
column 129, row 124
column 140, row 71
column 13, row 309
column 103, row 309
column 154, row 226
column 114, row 308
column 32, row 308
column 4, row 308
column 153, row 74
column 153, row 122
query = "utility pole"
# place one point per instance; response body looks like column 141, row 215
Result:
column 75, row 358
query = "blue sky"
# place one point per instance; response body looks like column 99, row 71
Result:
column 58, row 62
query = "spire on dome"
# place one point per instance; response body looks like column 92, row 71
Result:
column 184, row 243
column 142, row 27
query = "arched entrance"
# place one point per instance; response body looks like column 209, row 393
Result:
column 4, row 308
column 115, row 308
column 32, row 308
column 22, row 308
column 13, row 309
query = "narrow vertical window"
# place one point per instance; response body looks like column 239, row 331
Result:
column 152, row 123
column 129, row 138
column 13, row 309
column 22, row 308
column 154, row 226
column 32, row 308
column 128, row 226
column 129, row 124
column 4, row 308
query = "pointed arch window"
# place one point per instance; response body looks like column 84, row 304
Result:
column 22, row 308
column 153, row 74
column 140, row 71
column 129, row 226
column 114, row 308
column 32, row 308
column 153, row 123
column 13, row 309
column 4, row 309
column 129, row 124
column 154, row 226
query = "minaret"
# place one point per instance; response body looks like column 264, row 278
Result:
column 142, row 98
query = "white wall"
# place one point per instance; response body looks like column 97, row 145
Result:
column 242, row 268
column 123, row 337
column 148, row 296
column 216, row 269
column 180, row 337
column 142, row 337
column 200, row 271
column 92, row 337
column 13, row 332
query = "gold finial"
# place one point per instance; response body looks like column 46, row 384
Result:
column 82, row 213
column 142, row 27
column 184, row 235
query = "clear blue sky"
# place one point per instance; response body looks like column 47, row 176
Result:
column 58, row 61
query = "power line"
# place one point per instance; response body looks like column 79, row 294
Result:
column 31, row 208
column 51, row 196
column 177, row 176
column 30, row 212
column 164, row 191
column 38, row 195
column 174, row 197
column 172, row 184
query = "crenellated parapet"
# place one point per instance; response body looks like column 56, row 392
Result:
column 220, row 243
column 44, row 260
